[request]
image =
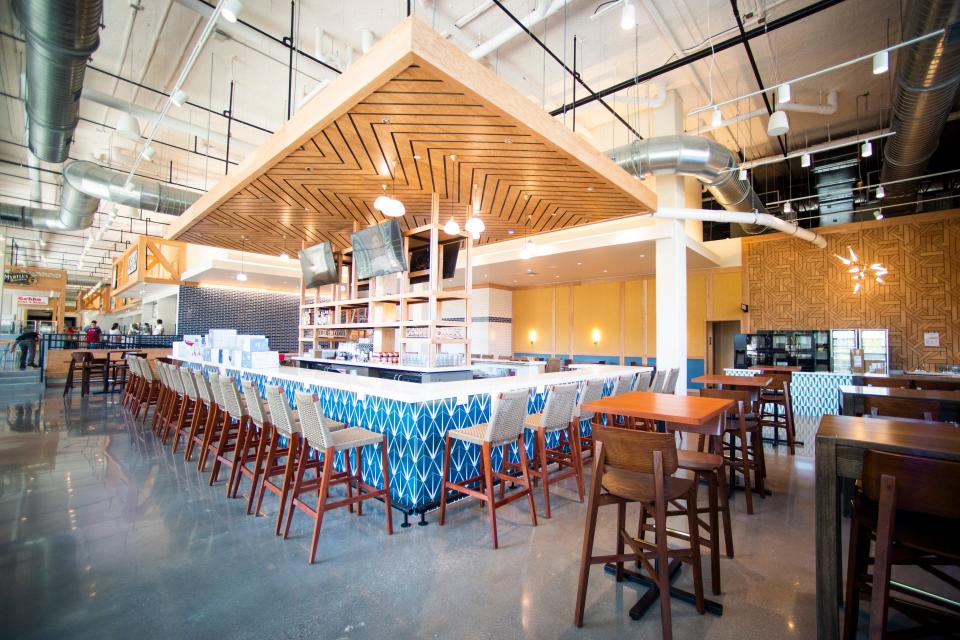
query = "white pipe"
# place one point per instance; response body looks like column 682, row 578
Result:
column 738, row 217
column 447, row 29
column 652, row 102
column 540, row 13
column 827, row 109
column 168, row 122
column 473, row 14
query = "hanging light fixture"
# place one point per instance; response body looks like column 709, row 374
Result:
column 474, row 224
column 628, row 17
column 805, row 160
column 783, row 94
column 128, row 127
column 742, row 175
column 881, row 62
column 778, row 124
column 179, row 97
column 787, row 207
column 452, row 227
column 880, row 192
column 716, row 120
column 529, row 249
column 866, row 149
column 148, row 153
column 283, row 249
column 231, row 10
column 878, row 214
column 861, row 271
column 241, row 275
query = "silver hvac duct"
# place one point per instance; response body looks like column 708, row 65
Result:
column 60, row 36
column 928, row 74
column 702, row 158
column 85, row 184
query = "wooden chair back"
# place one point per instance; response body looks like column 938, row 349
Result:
column 924, row 485
column 633, row 450
column 920, row 408
column 776, row 380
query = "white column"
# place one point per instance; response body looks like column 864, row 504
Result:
column 672, row 302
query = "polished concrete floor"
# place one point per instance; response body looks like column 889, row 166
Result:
column 104, row 534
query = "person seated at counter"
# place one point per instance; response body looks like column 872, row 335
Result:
column 26, row 346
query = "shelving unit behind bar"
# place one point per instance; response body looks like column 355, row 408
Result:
column 399, row 316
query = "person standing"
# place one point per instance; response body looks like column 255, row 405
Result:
column 94, row 334
column 134, row 329
column 26, row 344
column 113, row 332
column 158, row 328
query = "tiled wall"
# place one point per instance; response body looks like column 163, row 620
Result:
column 492, row 331
column 274, row 315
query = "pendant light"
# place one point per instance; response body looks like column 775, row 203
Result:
column 128, row 127
column 716, row 120
column 179, row 97
column 529, row 248
column 783, row 94
column 880, row 192
column 805, row 160
column 866, row 149
column 231, row 10
column 283, row 249
column 241, row 275
column 881, row 62
column 778, row 124
column 474, row 224
column 628, row 17
column 452, row 227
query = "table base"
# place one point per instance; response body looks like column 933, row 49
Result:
column 653, row 592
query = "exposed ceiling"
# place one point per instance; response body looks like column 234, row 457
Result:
column 144, row 46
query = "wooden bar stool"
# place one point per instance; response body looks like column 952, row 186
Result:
column 77, row 360
column 909, row 505
column 188, row 407
column 318, row 436
column 556, row 418
column 505, row 428
column 202, row 413
column 774, row 396
column 175, row 402
column 148, row 391
column 658, row 379
column 736, row 429
column 252, row 448
column 165, row 398
column 214, row 424
column 644, row 382
column 132, row 383
column 670, row 381
column 591, row 392
column 638, row 466
column 232, row 432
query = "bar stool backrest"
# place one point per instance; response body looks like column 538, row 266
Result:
column 559, row 408
column 670, row 384
column 280, row 414
column 633, row 450
column 644, row 381
column 232, row 402
column 216, row 391
column 174, row 374
column 623, row 385
column 509, row 412
column 145, row 370
column 658, row 380
column 203, row 387
column 592, row 391
column 923, row 485
column 187, row 383
column 134, row 364
column 312, row 422
column 258, row 413
column 162, row 373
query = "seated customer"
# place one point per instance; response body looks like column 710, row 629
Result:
column 26, row 344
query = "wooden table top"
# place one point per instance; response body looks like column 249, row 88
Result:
column 930, row 440
column 775, row 368
column 907, row 394
column 913, row 377
column 734, row 381
column 691, row 410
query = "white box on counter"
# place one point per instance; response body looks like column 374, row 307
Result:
column 222, row 338
column 252, row 343
column 259, row 359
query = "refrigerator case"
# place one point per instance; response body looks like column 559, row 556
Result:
column 873, row 342
column 842, row 341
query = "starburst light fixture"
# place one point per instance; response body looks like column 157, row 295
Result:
column 861, row 271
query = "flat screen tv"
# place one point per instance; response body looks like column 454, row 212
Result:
column 378, row 250
column 420, row 261
column 318, row 265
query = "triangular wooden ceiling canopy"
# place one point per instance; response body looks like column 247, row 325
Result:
column 418, row 115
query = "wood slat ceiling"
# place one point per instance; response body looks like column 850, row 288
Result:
column 413, row 129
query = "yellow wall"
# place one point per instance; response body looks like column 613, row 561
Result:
column 618, row 309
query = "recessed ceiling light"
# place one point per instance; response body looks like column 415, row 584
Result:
column 643, row 255
column 510, row 232
column 556, row 276
column 579, row 263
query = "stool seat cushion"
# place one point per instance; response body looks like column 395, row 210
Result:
column 535, row 421
column 353, row 437
column 476, row 435
column 639, row 487
column 776, row 398
column 698, row 460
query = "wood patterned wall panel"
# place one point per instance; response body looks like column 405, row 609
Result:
column 415, row 116
column 793, row 285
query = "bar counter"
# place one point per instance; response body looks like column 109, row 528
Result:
column 416, row 417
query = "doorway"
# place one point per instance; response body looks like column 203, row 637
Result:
column 720, row 336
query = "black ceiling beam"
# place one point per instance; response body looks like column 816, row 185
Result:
column 576, row 76
column 756, row 69
column 679, row 63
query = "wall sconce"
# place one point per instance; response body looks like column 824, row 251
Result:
column 595, row 336
column 532, row 336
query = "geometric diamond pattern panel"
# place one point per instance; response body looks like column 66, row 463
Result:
column 795, row 285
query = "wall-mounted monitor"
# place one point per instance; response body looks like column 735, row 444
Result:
column 318, row 265
column 378, row 250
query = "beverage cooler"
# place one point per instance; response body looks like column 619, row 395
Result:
column 873, row 342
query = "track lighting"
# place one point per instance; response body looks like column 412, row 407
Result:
column 452, row 227
column 717, row 119
column 880, row 192
column 148, row 153
column 866, row 149
column 128, row 185
column 778, row 124
column 231, row 10
column 742, row 175
column 628, row 18
column 128, row 127
column 783, row 94
column 787, row 207
column 179, row 97
column 805, row 160
column 878, row 214
column 881, row 62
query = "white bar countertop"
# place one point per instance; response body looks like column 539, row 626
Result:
column 383, row 365
column 422, row 392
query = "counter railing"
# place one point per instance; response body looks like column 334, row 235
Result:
column 77, row 341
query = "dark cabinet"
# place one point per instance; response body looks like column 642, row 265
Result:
column 809, row 350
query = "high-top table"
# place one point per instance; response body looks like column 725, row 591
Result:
column 681, row 413
column 841, row 442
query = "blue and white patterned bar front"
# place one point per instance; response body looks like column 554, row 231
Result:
column 416, row 417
